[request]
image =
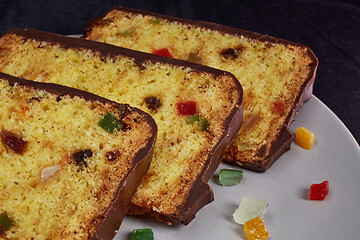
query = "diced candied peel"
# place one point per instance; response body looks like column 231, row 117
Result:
column 49, row 172
column 319, row 191
column 305, row 138
column 162, row 52
column 255, row 229
column 249, row 208
column 278, row 107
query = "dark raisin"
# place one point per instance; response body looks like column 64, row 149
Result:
column 13, row 141
column 125, row 127
column 80, row 157
column 229, row 53
column 152, row 103
column 58, row 99
column 112, row 155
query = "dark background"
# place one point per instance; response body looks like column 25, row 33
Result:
column 330, row 28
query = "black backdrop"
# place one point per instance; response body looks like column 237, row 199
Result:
column 331, row 28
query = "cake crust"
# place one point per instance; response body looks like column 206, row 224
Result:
column 257, row 160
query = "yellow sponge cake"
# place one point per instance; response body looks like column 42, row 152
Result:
column 277, row 75
column 66, row 171
column 198, row 109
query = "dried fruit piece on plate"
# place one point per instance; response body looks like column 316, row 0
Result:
column 305, row 138
column 255, row 229
column 230, row 177
column 249, row 208
column 319, row 191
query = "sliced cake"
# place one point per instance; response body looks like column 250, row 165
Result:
column 70, row 161
column 277, row 76
column 198, row 109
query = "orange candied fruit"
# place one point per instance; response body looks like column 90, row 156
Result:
column 255, row 229
column 305, row 138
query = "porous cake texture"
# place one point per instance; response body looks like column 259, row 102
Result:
column 276, row 75
column 198, row 109
column 62, row 174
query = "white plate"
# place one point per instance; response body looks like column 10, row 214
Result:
column 285, row 186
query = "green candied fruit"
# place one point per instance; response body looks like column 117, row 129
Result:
column 142, row 234
column 193, row 118
column 128, row 33
column 230, row 177
column 203, row 124
column 110, row 122
column 6, row 221
column 155, row 20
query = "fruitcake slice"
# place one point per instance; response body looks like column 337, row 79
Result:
column 198, row 109
column 70, row 161
column 277, row 75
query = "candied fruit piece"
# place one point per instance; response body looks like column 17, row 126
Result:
column 230, row 177
column 193, row 118
column 152, row 103
column 128, row 33
column 80, row 157
column 49, row 172
column 110, row 122
column 255, row 229
column 278, row 107
column 203, row 124
column 232, row 53
column 249, row 121
column 13, row 141
column 142, row 234
column 5, row 221
column 187, row 108
column 229, row 53
column 319, row 191
column 155, row 21
column 162, row 52
column 305, row 138
column 112, row 155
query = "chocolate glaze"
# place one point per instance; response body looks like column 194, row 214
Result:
column 200, row 193
column 110, row 220
column 284, row 138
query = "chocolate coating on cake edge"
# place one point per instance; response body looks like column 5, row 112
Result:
column 284, row 138
column 111, row 219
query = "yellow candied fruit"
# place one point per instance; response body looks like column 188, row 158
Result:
column 305, row 138
column 255, row 229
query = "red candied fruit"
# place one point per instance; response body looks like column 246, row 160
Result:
column 278, row 107
column 162, row 52
column 187, row 108
column 319, row 191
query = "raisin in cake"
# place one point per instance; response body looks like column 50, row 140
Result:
column 276, row 75
column 70, row 161
column 198, row 109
